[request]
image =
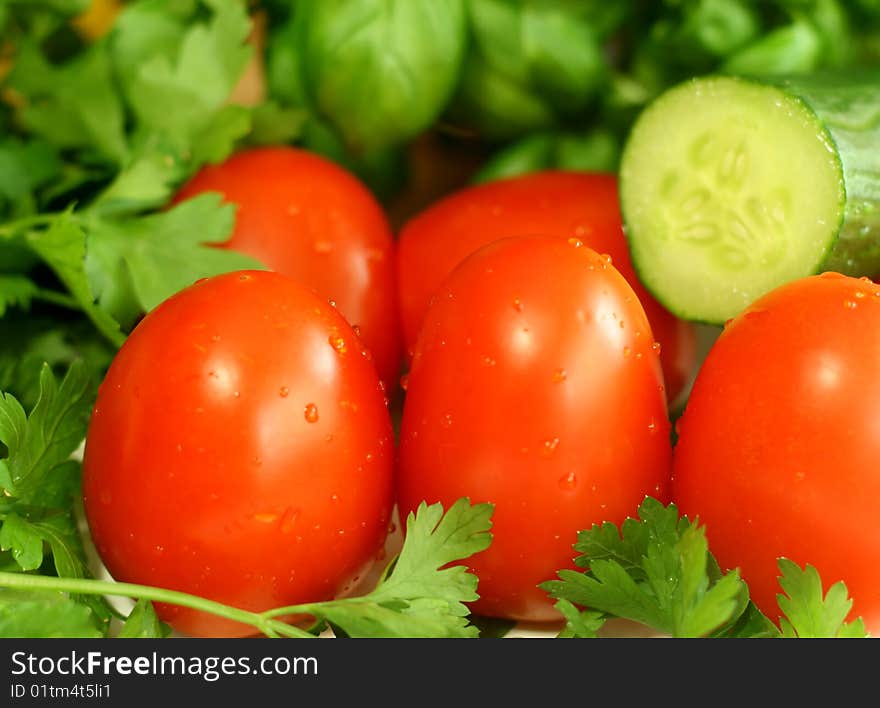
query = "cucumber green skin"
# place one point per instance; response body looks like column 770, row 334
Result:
column 849, row 109
column 846, row 107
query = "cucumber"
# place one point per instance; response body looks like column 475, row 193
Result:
column 730, row 187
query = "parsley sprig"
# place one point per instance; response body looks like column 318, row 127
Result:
column 415, row 597
column 656, row 570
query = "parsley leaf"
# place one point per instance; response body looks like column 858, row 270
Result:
column 418, row 596
column 16, row 291
column 19, row 536
column 657, row 571
column 25, row 166
column 82, row 91
column 44, row 615
column 30, row 341
column 579, row 624
column 136, row 264
column 39, row 481
column 63, row 248
column 807, row 612
column 40, row 446
column 171, row 61
column 142, row 623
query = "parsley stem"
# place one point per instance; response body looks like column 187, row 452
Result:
column 11, row 229
column 264, row 622
column 55, row 298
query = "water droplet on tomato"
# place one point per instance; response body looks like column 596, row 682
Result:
column 568, row 481
column 627, row 352
column 404, row 381
column 656, row 347
column 265, row 517
column 859, row 294
column 332, row 303
column 447, row 420
column 338, row 343
column 576, row 242
column 311, row 413
column 322, row 246
column 652, row 427
column 517, row 304
column 488, row 361
column 550, row 446
column 850, row 304
column 284, row 392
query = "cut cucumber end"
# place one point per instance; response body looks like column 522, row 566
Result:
column 729, row 188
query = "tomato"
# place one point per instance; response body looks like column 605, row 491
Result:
column 306, row 217
column 563, row 204
column 534, row 386
column 240, row 449
column 779, row 442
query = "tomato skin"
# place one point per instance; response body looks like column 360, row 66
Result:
column 567, row 205
column 779, row 443
column 306, row 217
column 239, row 452
column 534, row 386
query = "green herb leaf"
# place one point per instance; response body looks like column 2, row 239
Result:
column 168, row 59
column 658, row 572
column 29, row 342
column 24, row 166
column 419, row 597
column 16, row 291
column 39, row 446
column 23, row 540
column 579, row 624
column 63, row 248
column 142, row 623
column 807, row 613
column 44, row 615
column 136, row 264
column 82, row 91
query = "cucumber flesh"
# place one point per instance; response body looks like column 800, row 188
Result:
column 729, row 187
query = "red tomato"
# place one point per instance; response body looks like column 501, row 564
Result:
column 308, row 218
column 563, row 204
column 779, row 444
column 535, row 386
column 240, row 449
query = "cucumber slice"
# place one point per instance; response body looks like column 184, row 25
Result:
column 731, row 187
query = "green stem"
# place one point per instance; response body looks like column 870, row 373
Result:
column 55, row 298
column 11, row 229
column 264, row 622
